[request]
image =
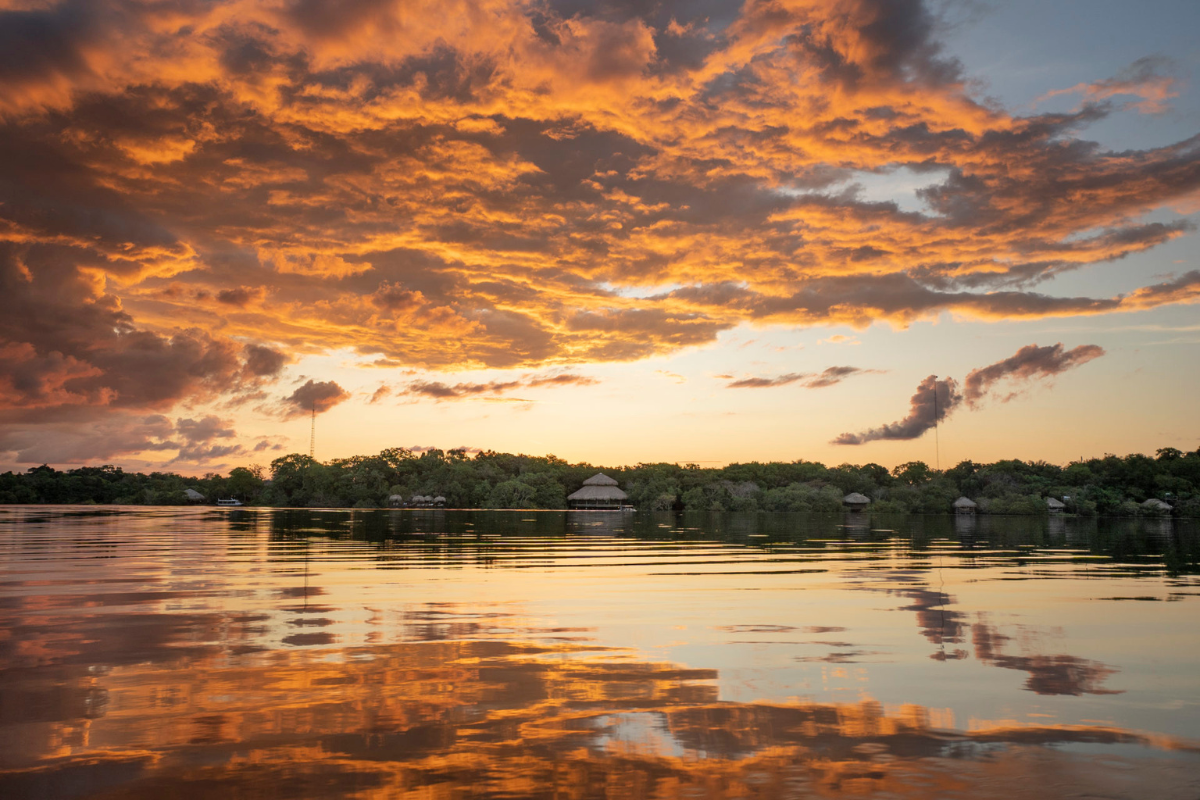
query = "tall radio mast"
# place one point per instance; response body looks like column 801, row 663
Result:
column 312, row 436
column 937, row 447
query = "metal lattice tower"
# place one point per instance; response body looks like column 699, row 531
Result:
column 937, row 446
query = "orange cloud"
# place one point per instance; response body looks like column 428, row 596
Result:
column 496, row 185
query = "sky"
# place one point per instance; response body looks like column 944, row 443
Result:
column 616, row 232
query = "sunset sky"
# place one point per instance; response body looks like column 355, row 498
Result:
column 615, row 231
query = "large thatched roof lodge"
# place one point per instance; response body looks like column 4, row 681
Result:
column 599, row 491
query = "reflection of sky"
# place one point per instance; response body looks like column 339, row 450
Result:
column 128, row 637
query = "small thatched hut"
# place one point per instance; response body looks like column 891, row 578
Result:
column 599, row 491
column 1157, row 506
column 965, row 505
column 193, row 496
column 396, row 500
column 439, row 501
column 1055, row 506
column 855, row 501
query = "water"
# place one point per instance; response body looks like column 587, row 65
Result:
column 239, row 653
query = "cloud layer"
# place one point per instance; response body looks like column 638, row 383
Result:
column 191, row 194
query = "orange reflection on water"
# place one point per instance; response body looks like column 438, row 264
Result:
column 240, row 666
column 458, row 718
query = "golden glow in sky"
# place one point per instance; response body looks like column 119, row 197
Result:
column 612, row 231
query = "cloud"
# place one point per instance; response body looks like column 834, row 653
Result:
column 112, row 436
column 587, row 182
column 198, row 439
column 839, row 338
column 439, row 390
column 560, row 379
column 263, row 361
column 241, row 296
column 1029, row 364
column 834, row 375
column 1147, row 78
column 762, row 383
column 930, row 392
column 828, row 377
column 313, row 396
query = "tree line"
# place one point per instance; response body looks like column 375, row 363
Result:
column 1111, row 485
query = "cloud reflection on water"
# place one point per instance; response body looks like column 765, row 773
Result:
column 259, row 663
column 511, row 719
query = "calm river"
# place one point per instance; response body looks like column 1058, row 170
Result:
column 262, row 653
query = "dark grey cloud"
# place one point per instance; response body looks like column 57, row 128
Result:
column 240, row 296
column 313, row 396
column 198, row 439
column 1028, row 364
column 263, row 361
column 763, row 383
column 443, row 391
column 932, row 393
column 439, row 390
column 827, row 377
column 560, row 379
column 111, row 436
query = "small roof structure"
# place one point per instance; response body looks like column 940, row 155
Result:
column 1054, row 504
column 965, row 502
column 1154, row 504
column 598, row 491
column 440, row 500
column 193, row 495
column 856, row 500
column 396, row 500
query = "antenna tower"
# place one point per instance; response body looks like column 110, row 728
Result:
column 312, row 435
column 937, row 445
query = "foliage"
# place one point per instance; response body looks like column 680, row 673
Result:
column 1110, row 485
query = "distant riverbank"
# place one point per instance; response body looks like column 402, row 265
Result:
column 1124, row 486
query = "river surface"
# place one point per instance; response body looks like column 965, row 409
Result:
column 265, row 653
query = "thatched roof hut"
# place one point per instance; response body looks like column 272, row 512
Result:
column 395, row 500
column 965, row 505
column 193, row 496
column 1055, row 506
column 599, row 491
column 855, row 501
column 1156, row 505
column 439, row 501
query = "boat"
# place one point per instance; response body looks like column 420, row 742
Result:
column 230, row 502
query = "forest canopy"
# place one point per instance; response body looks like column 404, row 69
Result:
column 1111, row 485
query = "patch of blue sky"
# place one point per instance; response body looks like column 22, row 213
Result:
column 1016, row 53
column 895, row 184
column 639, row 291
